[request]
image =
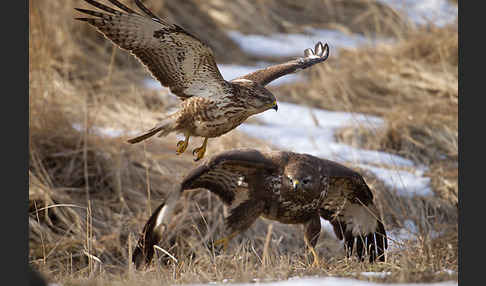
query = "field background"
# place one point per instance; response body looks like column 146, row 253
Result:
column 90, row 194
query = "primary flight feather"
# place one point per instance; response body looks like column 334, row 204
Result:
column 211, row 106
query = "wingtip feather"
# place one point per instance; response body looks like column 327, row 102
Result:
column 308, row 52
column 83, row 19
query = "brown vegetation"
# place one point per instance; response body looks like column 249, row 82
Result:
column 411, row 83
column 89, row 195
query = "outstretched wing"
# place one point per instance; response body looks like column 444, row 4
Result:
column 349, row 207
column 174, row 57
column 223, row 175
column 269, row 74
column 225, row 172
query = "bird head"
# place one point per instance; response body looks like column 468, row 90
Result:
column 301, row 177
column 264, row 99
column 257, row 96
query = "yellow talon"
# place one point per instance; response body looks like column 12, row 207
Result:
column 182, row 145
column 200, row 151
column 225, row 241
column 316, row 257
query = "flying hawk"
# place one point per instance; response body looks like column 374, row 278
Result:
column 211, row 106
column 288, row 187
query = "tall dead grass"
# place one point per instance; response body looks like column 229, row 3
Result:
column 89, row 194
column 412, row 83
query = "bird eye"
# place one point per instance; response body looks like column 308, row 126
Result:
column 305, row 181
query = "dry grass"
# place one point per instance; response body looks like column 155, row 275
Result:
column 412, row 84
column 89, row 195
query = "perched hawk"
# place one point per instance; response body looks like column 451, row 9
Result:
column 211, row 106
column 287, row 187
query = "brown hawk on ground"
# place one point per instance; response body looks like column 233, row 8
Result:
column 211, row 106
column 288, row 187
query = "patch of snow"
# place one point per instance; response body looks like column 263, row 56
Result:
column 375, row 274
column 403, row 182
column 104, row 131
column 438, row 12
column 314, row 134
column 288, row 45
column 398, row 237
column 448, row 271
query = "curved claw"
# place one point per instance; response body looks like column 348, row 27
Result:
column 200, row 151
column 181, row 147
column 225, row 240
column 315, row 263
column 195, row 153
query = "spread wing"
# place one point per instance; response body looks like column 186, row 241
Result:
column 222, row 175
column 174, row 57
column 269, row 74
column 349, row 207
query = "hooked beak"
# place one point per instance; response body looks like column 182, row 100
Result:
column 275, row 106
column 295, row 184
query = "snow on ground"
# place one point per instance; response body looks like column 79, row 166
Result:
column 308, row 130
column 439, row 12
column 406, row 183
column 104, row 131
column 398, row 237
column 317, row 281
column 375, row 274
column 302, row 129
column 287, row 45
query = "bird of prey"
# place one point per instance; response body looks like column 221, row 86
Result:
column 288, row 187
column 211, row 106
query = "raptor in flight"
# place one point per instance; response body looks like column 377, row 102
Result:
column 211, row 106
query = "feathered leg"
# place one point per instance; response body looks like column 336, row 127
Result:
column 240, row 219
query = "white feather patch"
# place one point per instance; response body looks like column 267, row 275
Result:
column 359, row 219
column 241, row 80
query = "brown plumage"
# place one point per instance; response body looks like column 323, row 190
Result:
column 288, row 187
column 211, row 106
